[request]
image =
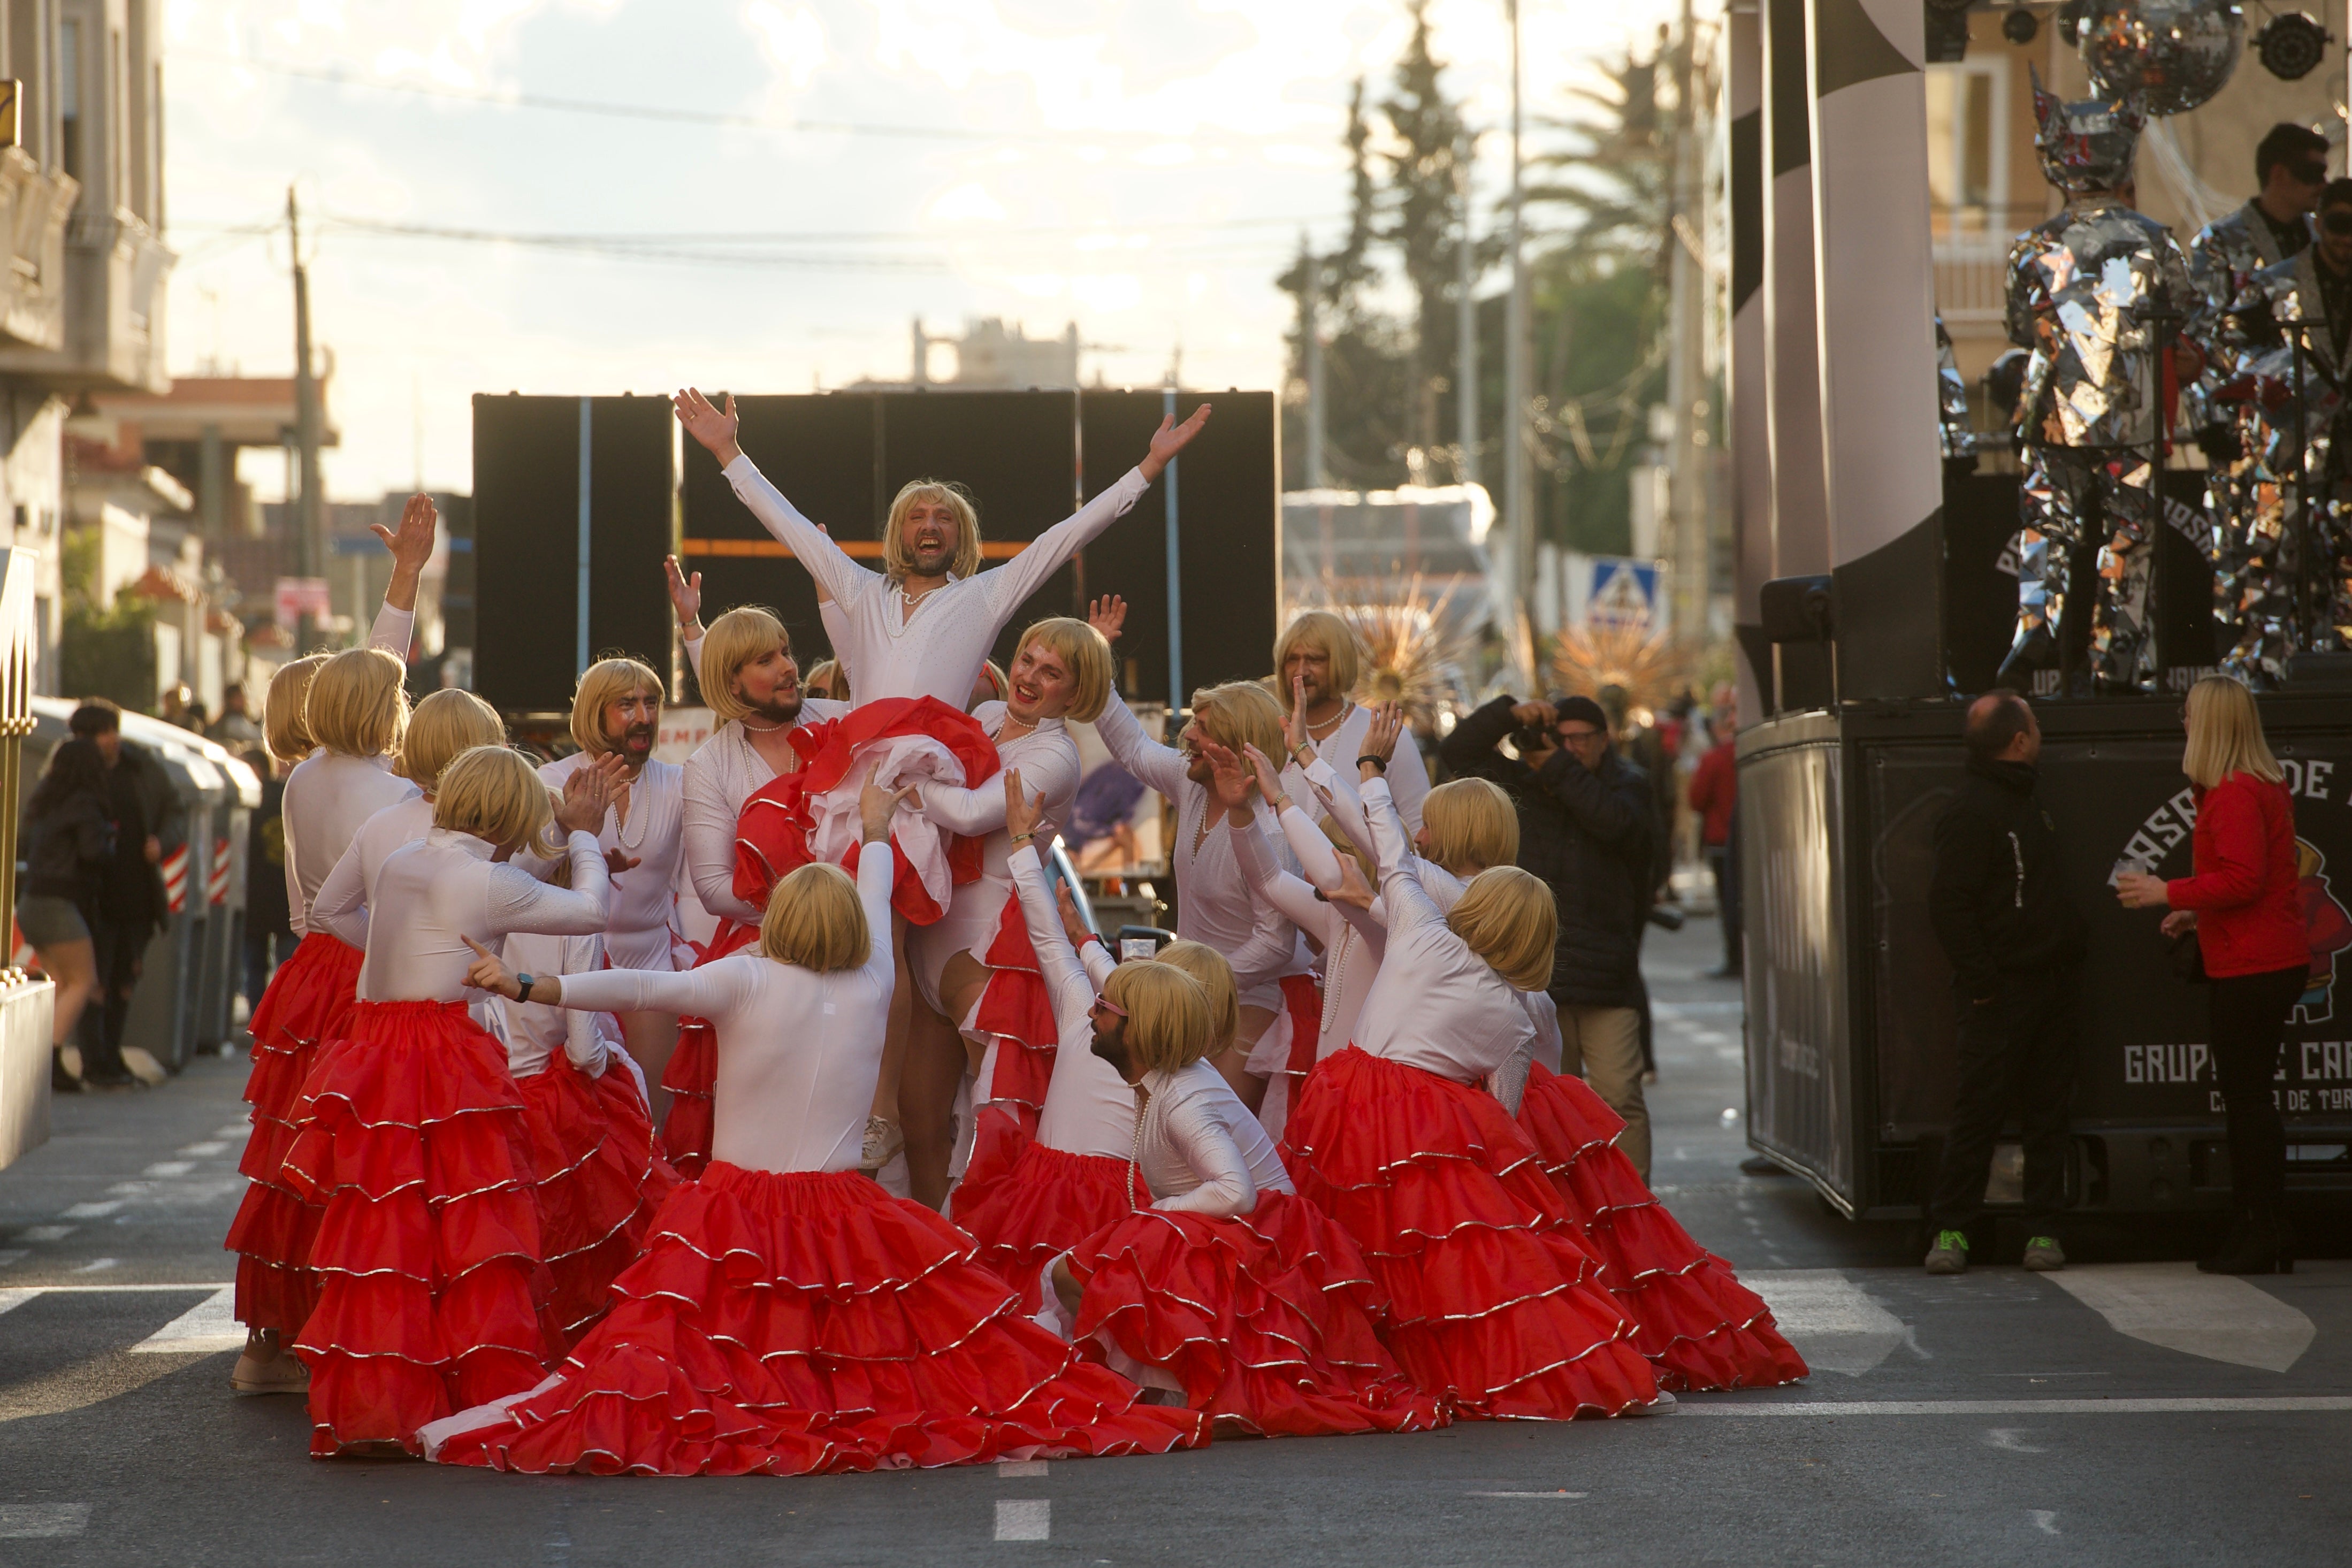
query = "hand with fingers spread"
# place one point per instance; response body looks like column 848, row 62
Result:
column 489, row 973
column 587, row 796
column 876, row 804
column 1353, row 889
column 711, row 428
column 615, row 862
column 1228, row 780
column 1169, row 439
column 1021, row 813
column 1381, row 739
column 1270, row 781
column 411, row 546
column 1074, row 926
column 1107, row 615
column 685, row 597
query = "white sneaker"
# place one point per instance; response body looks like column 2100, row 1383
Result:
column 1663, row 1404
column 143, row 1067
column 883, row 1142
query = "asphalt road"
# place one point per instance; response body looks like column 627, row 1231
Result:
column 2128, row 1410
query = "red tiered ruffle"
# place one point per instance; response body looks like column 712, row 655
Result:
column 1025, row 1203
column 1017, row 1009
column 1267, row 1319
column 308, row 1002
column 597, row 1178
column 805, row 1322
column 1699, row 1325
column 413, row 1137
column 1495, row 1304
column 693, row 1067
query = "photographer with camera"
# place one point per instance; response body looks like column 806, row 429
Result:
column 1586, row 828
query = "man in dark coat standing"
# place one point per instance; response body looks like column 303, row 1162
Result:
column 2000, row 909
column 1586, row 828
column 130, row 901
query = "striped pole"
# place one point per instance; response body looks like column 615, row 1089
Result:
column 1748, row 375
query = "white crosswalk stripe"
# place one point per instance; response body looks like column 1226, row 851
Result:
column 2217, row 1316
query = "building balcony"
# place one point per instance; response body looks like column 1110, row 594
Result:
column 33, row 209
column 116, row 271
column 1972, row 282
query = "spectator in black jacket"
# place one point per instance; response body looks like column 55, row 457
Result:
column 1585, row 828
column 68, row 839
column 131, row 906
column 2015, row 940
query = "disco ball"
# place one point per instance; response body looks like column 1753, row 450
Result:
column 2173, row 55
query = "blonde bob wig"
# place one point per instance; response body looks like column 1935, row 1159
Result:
column 284, row 729
column 601, row 685
column 732, row 641
column 1471, row 822
column 1084, row 653
column 1507, row 918
column 957, row 499
column 1215, row 975
column 2225, row 735
column 815, row 922
column 494, row 793
column 1169, row 1025
column 1240, row 712
column 446, row 724
column 358, row 703
column 1334, row 638
column 830, row 679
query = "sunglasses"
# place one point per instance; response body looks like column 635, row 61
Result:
column 2338, row 221
column 2310, row 173
column 1109, row 1006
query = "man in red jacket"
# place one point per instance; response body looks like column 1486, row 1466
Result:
column 1714, row 793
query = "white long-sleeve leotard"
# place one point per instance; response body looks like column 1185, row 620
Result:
column 1089, row 1109
column 429, row 896
column 536, row 1031
column 1353, row 939
column 1408, row 775
column 318, row 828
column 935, row 650
column 644, row 910
column 401, row 822
column 1201, row 1151
column 799, row 1053
column 713, row 785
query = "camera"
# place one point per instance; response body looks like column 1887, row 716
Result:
column 1533, row 738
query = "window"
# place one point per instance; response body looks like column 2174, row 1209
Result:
column 1968, row 146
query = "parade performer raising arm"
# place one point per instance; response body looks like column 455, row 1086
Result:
column 788, row 1315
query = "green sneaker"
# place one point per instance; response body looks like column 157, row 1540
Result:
column 1950, row 1255
column 2043, row 1254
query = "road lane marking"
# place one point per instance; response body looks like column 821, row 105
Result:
column 205, row 1329
column 2044, row 1519
column 1025, row 1519
column 132, row 1188
column 1570, row 1496
column 235, row 1129
column 1019, row 1467
column 189, row 1286
column 96, row 1264
column 11, row 1300
column 205, row 1150
column 32, row 1520
column 2217, row 1316
column 164, row 1169
column 10, row 1254
column 45, row 1232
column 92, row 1210
column 2126, row 1404
column 2012, row 1440
column 1833, row 1323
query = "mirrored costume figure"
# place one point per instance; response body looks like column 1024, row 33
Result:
column 2095, row 294
column 1955, row 438
column 2251, row 598
column 2291, row 355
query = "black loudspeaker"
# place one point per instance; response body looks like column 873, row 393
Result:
column 1229, row 540
column 1979, row 576
column 2183, row 588
column 529, row 523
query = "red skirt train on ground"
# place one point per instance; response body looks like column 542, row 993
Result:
column 795, row 1323
column 1696, row 1321
column 309, row 1003
column 1496, row 1303
column 413, row 1138
column 1024, row 1204
column 598, row 1180
column 1267, row 1321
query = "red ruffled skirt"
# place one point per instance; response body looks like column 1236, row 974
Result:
column 807, row 1322
column 598, row 1180
column 1017, row 1009
column 308, row 1002
column 413, row 1137
column 1268, row 1319
column 1496, row 1305
column 1694, row 1321
column 694, row 1068
column 1024, row 1204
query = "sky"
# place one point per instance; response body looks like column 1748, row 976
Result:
column 1144, row 168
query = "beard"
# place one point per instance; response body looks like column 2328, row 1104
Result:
column 1113, row 1049
column 781, row 708
column 636, row 742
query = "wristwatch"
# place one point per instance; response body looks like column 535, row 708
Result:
column 522, row 985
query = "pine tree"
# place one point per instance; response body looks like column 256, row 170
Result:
column 1423, row 206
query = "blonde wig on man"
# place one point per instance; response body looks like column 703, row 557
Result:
column 358, row 703
column 815, row 922
column 1215, row 975
column 1507, row 918
column 2225, row 735
column 445, row 725
column 729, row 644
column 1240, row 713
column 1083, row 652
column 285, row 730
column 1169, row 1025
column 496, row 794
column 895, row 562
column 603, row 683
column 1332, row 636
column 830, row 679
column 1471, row 822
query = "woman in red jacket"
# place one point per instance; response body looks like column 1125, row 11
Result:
column 2240, row 900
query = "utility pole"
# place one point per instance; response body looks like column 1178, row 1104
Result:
column 1465, row 330
column 310, row 543
column 1310, row 328
column 1518, row 512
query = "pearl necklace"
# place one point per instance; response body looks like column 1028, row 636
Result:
column 1135, row 1155
column 620, row 819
